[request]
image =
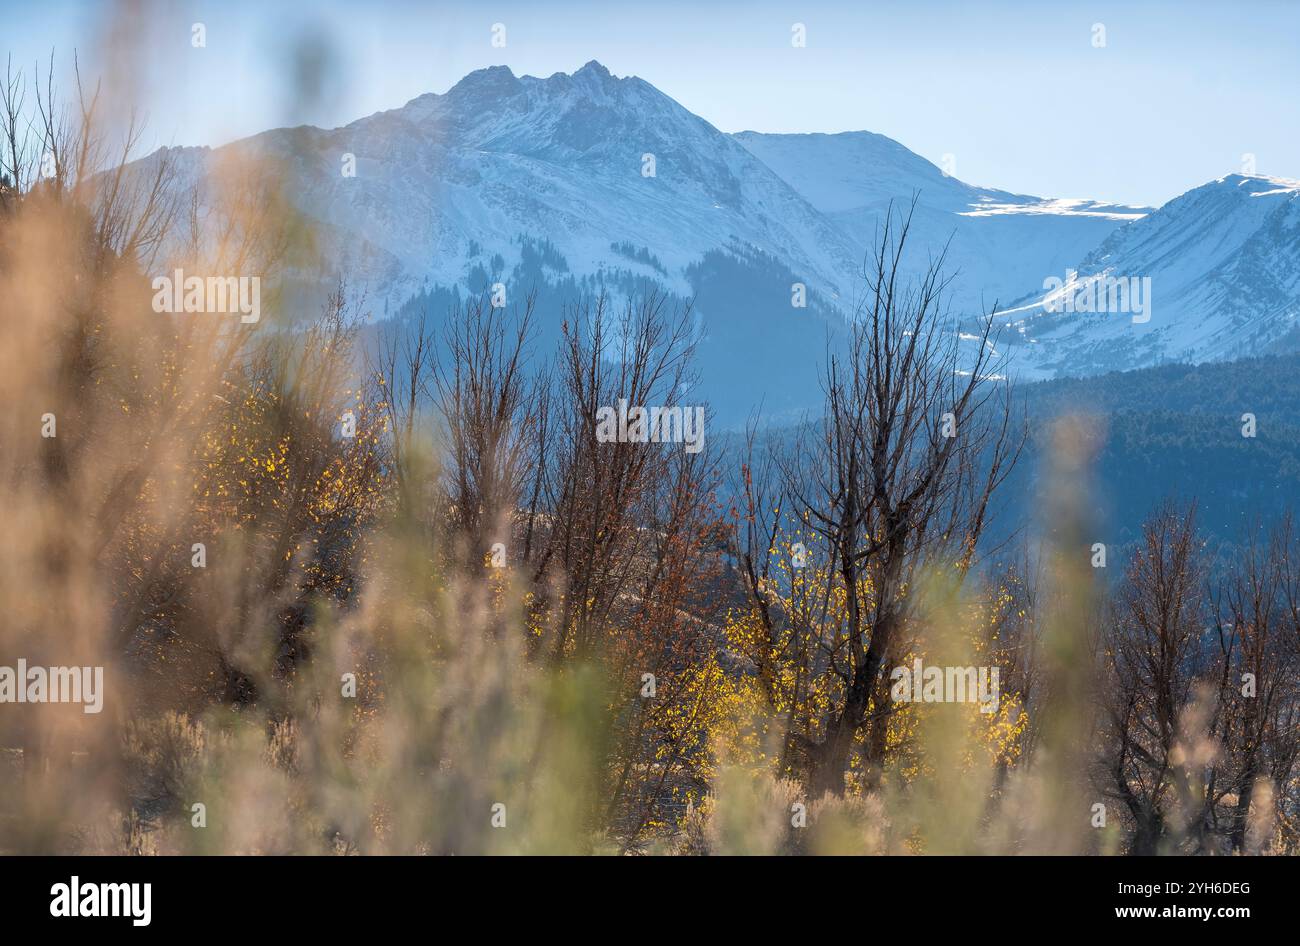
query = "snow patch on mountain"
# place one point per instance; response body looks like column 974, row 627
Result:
column 997, row 243
column 1223, row 262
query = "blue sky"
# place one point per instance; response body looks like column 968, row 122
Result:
column 1016, row 92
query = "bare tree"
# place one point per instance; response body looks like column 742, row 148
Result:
column 492, row 407
column 586, row 521
column 917, row 434
column 1158, row 671
column 1256, row 632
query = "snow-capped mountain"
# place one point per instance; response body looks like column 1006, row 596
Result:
column 1215, row 274
column 998, row 243
column 584, row 162
column 589, row 162
column 590, row 182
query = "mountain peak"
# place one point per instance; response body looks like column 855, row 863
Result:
column 494, row 80
column 1259, row 184
column 592, row 77
column 594, row 68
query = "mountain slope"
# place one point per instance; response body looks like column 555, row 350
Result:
column 998, row 243
column 1223, row 262
column 499, row 157
column 447, row 181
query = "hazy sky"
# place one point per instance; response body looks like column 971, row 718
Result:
column 1015, row 91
